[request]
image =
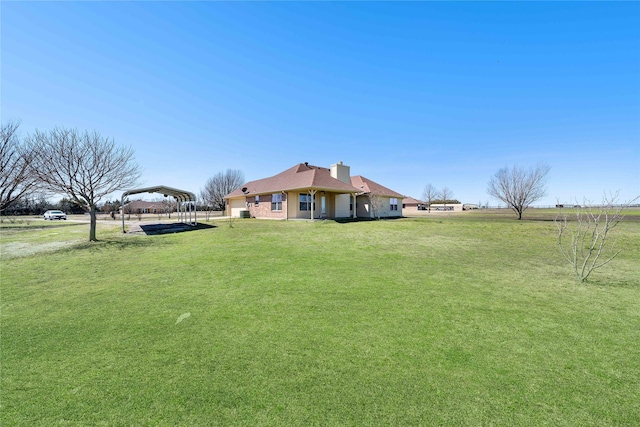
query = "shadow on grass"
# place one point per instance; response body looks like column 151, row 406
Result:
column 154, row 229
column 351, row 220
column 27, row 225
column 115, row 244
column 603, row 283
column 131, row 241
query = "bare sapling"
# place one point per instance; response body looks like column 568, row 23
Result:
column 586, row 241
column 377, row 204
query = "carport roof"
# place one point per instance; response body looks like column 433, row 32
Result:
column 167, row 191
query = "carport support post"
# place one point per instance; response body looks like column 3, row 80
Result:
column 177, row 213
column 122, row 207
column 195, row 212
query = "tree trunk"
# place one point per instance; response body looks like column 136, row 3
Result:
column 92, row 227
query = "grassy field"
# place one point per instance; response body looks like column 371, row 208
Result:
column 452, row 320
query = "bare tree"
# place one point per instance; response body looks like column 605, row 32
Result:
column 85, row 166
column 586, row 242
column 169, row 205
column 219, row 186
column 519, row 187
column 429, row 195
column 445, row 194
column 376, row 201
column 15, row 179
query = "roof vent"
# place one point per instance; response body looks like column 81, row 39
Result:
column 244, row 190
column 306, row 164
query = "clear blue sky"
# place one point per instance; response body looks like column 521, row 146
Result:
column 406, row 93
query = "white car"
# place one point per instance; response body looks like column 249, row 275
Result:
column 55, row 215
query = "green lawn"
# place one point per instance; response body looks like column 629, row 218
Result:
column 458, row 320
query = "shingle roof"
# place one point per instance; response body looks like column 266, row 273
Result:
column 411, row 201
column 365, row 185
column 300, row 176
column 303, row 176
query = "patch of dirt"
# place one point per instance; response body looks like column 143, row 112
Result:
column 20, row 249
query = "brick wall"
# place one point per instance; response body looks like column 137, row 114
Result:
column 263, row 208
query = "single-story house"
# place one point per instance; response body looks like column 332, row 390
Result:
column 312, row 192
column 142, row 207
column 449, row 207
column 411, row 205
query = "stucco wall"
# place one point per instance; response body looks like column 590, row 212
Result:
column 365, row 210
column 343, row 205
column 336, row 206
column 236, row 206
column 295, row 211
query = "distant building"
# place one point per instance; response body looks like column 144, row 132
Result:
column 448, row 207
column 412, row 206
column 142, row 207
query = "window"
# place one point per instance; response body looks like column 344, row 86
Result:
column 257, row 200
column 393, row 204
column 276, row 202
column 305, row 201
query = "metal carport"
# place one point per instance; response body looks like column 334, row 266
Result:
column 181, row 196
